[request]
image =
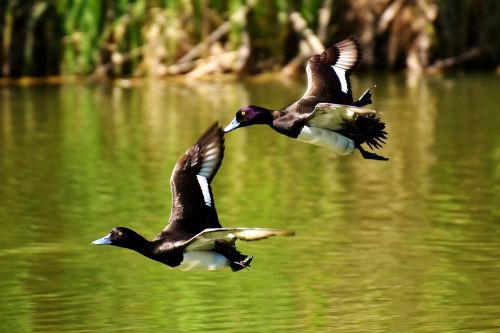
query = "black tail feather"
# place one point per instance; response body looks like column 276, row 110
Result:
column 365, row 99
column 370, row 130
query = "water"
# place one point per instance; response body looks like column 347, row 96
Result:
column 410, row 245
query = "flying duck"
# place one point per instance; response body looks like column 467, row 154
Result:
column 326, row 114
column 193, row 237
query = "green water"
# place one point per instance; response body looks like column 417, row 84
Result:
column 409, row 245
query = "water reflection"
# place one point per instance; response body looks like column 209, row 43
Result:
column 405, row 245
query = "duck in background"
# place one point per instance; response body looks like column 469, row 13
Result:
column 326, row 114
column 194, row 238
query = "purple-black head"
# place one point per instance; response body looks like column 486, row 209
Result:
column 250, row 115
column 122, row 237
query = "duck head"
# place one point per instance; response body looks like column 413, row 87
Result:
column 122, row 237
column 250, row 115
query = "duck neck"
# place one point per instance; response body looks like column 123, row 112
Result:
column 167, row 254
column 274, row 115
column 149, row 249
column 286, row 125
column 267, row 116
column 142, row 245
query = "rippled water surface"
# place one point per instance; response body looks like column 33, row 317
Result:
column 409, row 245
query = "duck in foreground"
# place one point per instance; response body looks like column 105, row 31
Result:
column 326, row 114
column 194, row 238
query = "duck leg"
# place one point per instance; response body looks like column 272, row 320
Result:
column 239, row 265
column 237, row 260
column 370, row 156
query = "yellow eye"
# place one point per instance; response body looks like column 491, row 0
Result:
column 243, row 113
column 120, row 233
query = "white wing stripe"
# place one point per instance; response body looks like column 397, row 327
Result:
column 204, row 190
column 341, row 75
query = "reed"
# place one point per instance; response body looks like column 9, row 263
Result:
column 201, row 37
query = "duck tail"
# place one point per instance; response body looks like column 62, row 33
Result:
column 365, row 99
column 370, row 130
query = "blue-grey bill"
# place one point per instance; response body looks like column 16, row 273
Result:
column 103, row 241
column 232, row 126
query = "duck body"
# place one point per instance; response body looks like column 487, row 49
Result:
column 194, row 238
column 326, row 115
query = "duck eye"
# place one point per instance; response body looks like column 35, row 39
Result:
column 120, row 233
column 243, row 113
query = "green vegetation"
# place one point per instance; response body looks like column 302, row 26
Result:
column 202, row 37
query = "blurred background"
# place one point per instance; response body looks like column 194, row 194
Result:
column 408, row 245
column 168, row 37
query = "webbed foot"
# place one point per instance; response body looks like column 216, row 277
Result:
column 239, row 265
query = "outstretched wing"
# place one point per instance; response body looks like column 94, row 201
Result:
column 193, row 206
column 335, row 116
column 328, row 73
column 206, row 239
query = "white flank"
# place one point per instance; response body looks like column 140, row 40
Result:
column 328, row 139
column 204, row 189
column 203, row 260
column 341, row 75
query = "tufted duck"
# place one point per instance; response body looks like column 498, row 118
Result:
column 326, row 114
column 194, row 238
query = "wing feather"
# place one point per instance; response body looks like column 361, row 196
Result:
column 328, row 73
column 193, row 208
column 333, row 116
column 206, row 239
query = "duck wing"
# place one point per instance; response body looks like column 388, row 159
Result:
column 205, row 240
column 335, row 116
column 328, row 73
column 193, row 206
